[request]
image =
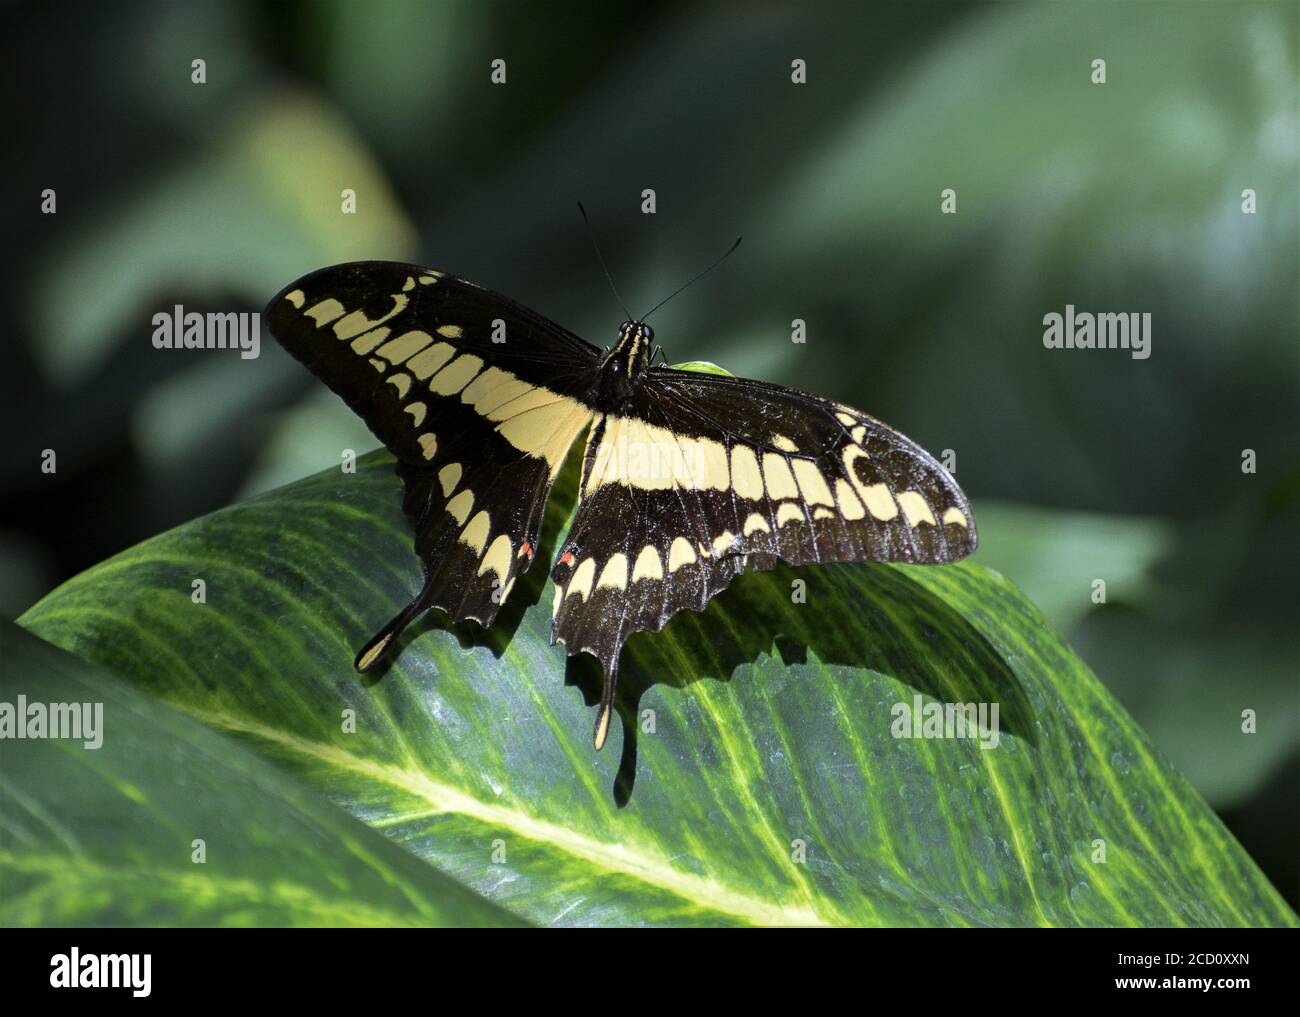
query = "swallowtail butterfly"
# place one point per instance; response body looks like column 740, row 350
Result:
column 686, row 479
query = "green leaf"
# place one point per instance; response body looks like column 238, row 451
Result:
column 1161, row 653
column 758, row 781
column 703, row 367
column 103, row 834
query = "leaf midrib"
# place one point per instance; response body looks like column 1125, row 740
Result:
column 654, row 870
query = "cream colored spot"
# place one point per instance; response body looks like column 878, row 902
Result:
column 858, row 434
column 823, row 513
column 416, row 410
column 602, row 727
column 681, row 553
column 955, row 515
column 456, row 375
column 517, row 399
column 408, row 285
column 405, row 346
column 916, row 508
column 367, row 341
column 430, row 276
column 755, row 524
column 880, row 503
column 559, row 599
column 542, row 424
column 636, row 454
column 424, row 364
column 847, row 419
column 784, row 443
column 789, row 512
column 711, row 471
column 429, row 444
column 378, row 365
column 648, row 565
column 498, row 558
column 357, row 322
column 325, row 312
column 296, row 297
column 401, row 382
column 746, row 480
column 493, row 388
column 373, row 654
column 614, row 574
column 582, row 579
column 449, row 477
column 850, row 504
column 723, row 542
column 458, row 508
column 878, row 500
column 475, row 535
column 450, row 331
column 812, row 484
column 780, row 482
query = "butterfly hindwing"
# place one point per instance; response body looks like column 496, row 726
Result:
column 479, row 399
column 703, row 476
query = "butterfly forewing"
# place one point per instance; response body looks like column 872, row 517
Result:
column 479, row 398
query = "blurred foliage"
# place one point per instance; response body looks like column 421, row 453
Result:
column 1123, row 196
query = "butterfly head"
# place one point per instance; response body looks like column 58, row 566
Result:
column 634, row 332
column 626, row 364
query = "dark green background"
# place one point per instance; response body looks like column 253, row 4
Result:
column 1117, row 197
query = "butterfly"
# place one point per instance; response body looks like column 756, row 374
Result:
column 687, row 478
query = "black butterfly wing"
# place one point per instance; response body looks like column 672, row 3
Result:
column 477, row 396
column 703, row 474
column 362, row 327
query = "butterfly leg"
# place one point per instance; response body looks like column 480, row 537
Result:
column 374, row 650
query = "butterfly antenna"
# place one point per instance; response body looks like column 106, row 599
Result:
column 601, row 258
column 693, row 281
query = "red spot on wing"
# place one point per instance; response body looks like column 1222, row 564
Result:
column 527, row 549
column 566, row 558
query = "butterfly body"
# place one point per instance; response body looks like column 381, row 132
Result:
column 687, row 478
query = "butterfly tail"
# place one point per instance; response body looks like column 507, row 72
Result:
column 374, row 650
column 605, row 712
